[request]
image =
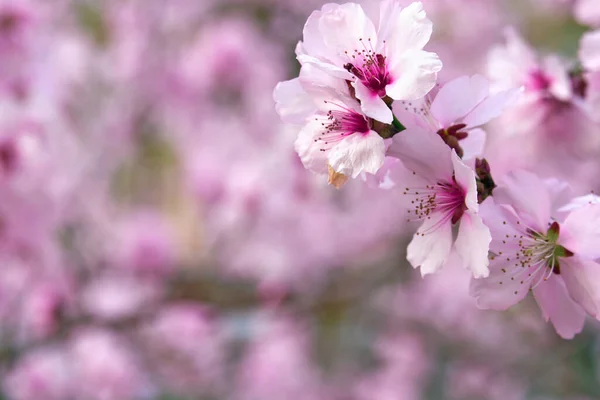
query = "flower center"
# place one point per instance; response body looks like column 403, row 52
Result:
column 536, row 257
column 370, row 68
column 339, row 123
column 538, row 81
column 446, row 198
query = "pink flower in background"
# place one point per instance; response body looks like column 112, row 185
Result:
column 442, row 192
column 42, row 374
column 589, row 55
column 532, row 252
column 389, row 61
column 104, row 367
column 456, row 111
column 517, row 64
column 587, row 12
column 339, row 137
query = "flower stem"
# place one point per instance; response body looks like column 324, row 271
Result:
column 398, row 125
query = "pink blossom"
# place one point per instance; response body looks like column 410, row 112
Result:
column 388, row 61
column 340, row 137
column 587, row 12
column 44, row 373
column 532, row 252
column 456, row 111
column 441, row 192
column 104, row 367
column 516, row 64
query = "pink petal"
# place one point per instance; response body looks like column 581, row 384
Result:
column 343, row 27
column 423, row 152
column 557, row 70
column 473, row 243
column 589, row 51
column 581, row 232
column 414, row 74
column 490, row 294
column 528, row 195
column 358, row 153
column 292, row 103
column 582, row 279
column 587, row 12
column 403, row 29
column 567, row 316
column 474, row 144
column 465, row 177
column 501, row 221
column 458, row 97
column 313, row 43
column 431, row 245
column 372, row 105
column 492, row 107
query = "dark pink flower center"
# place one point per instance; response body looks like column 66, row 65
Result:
column 538, row 81
column 370, row 69
column 340, row 123
column 446, row 198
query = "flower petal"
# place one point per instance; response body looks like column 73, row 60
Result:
column 414, row 74
column 310, row 154
column 496, row 293
column 372, row 105
column 459, row 97
column 492, row 107
column 423, row 152
column 402, row 29
column 474, row 144
column 528, row 195
column 293, row 104
column 431, row 245
column 581, row 232
column 346, row 28
column 557, row 306
column 473, row 243
column 358, row 153
column 589, row 51
column 465, row 177
column 582, row 279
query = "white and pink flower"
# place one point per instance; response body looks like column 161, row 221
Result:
column 457, row 111
column 532, row 251
column 378, row 63
column 441, row 191
column 339, row 138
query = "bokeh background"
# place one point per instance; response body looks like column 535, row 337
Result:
column 160, row 239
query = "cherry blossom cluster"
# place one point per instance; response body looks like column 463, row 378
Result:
column 369, row 105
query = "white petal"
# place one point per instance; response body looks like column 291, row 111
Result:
column 346, row 28
column 310, row 154
column 372, row 105
column 414, row 74
column 358, row 153
column 292, row 103
column 431, row 245
column 328, row 67
column 589, row 51
column 473, row 244
column 403, row 29
column 465, row 177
